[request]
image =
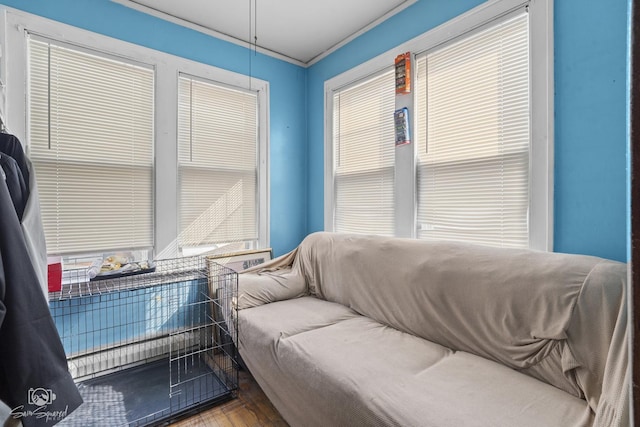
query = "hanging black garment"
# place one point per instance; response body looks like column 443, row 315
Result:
column 31, row 218
column 11, row 146
column 18, row 189
column 34, row 379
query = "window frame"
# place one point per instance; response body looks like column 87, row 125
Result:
column 426, row 163
column 356, row 84
column 50, row 158
column 542, row 112
column 224, row 87
column 13, row 103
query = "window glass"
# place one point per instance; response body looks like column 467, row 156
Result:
column 91, row 143
column 474, row 136
column 218, row 165
column 364, row 155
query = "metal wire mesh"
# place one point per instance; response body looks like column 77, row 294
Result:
column 166, row 327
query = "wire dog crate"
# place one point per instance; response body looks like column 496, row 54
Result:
column 148, row 348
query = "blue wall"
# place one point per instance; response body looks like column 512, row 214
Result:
column 287, row 86
column 97, row 322
column 591, row 127
column 590, row 115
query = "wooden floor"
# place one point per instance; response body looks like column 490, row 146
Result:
column 250, row 409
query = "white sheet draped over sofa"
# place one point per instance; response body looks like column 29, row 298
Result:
column 453, row 313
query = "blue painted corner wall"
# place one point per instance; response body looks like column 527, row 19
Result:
column 591, row 128
column 591, row 145
column 287, row 127
column 591, row 125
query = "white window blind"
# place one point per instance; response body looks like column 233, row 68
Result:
column 218, row 163
column 364, row 156
column 91, row 142
column 473, row 137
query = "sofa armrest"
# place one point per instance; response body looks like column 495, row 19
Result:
column 262, row 287
column 598, row 339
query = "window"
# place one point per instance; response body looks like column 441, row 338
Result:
column 363, row 155
column 218, row 164
column 480, row 166
column 91, row 143
column 473, row 138
column 108, row 125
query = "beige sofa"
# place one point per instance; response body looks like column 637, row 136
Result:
column 351, row 330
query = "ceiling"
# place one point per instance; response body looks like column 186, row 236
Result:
column 299, row 31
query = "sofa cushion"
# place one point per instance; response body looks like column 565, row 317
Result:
column 261, row 330
column 301, row 389
column 359, row 369
column 268, row 323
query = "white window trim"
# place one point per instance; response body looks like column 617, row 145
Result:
column 14, row 25
column 541, row 156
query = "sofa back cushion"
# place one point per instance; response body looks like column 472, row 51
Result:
column 511, row 306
